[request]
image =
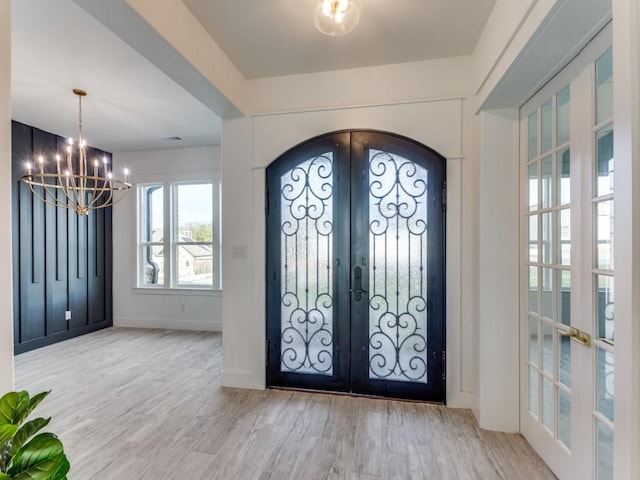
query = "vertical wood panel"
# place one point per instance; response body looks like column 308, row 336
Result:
column 20, row 152
column 32, row 286
column 53, row 251
column 108, row 265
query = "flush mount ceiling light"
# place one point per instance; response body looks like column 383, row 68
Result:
column 73, row 184
column 336, row 17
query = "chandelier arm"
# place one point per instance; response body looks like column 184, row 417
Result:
column 44, row 199
column 70, row 201
column 37, row 195
column 72, row 190
column 83, row 174
column 49, row 193
column 69, row 185
column 98, row 192
column 45, row 187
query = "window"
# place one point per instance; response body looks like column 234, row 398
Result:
column 179, row 238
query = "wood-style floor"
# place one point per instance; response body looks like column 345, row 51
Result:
column 147, row 404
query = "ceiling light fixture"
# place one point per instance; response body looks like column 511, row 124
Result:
column 74, row 185
column 336, row 17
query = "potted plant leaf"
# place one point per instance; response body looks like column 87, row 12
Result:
column 23, row 454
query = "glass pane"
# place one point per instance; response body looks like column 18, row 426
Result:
column 604, row 452
column 564, row 236
column 564, row 360
column 533, row 341
column 194, row 265
column 534, row 288
column 604, row 383
column 306, row 239
column 547, row 292
column 547, row 127
column 533, row 186
column 193, row 205
column 533, row 135
column 534, row 379
column 398, row 286
column 547, row 235
column 547, row 348
column 562, row 116
column 563, row 305
column 604, row 161
column 604, row 235
column 152, row 265
column 604, row 87
column 533, row 238
column 547, row 403
column 564, row 418
column 605, row 307
column 152, row 204
column 546, row 181
column 563, row 175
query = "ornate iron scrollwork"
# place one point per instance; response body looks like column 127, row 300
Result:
column 398, row 193
column 306, row 228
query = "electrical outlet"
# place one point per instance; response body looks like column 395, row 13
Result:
column 67, row 315
column 183, row 307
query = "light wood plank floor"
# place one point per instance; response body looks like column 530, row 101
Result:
column 147, row 404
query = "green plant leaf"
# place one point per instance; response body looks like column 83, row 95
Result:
column 12, row 405
column 33, row 403
column 7, row 432
column 37, row 454
column 25, row 432
column 44, row 470
column 4, row 476
column 62, row 470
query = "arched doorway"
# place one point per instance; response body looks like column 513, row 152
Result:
column 355, row 266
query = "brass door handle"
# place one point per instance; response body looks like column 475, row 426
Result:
column 577, row 335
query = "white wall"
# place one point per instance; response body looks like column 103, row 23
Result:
column 439, row 117
column 148, row 308
column 511, row 25
column 498, row 314
column 626, row 107
column 6, row 296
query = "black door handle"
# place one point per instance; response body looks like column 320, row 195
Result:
column 357, row 284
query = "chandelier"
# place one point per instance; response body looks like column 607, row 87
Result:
column 75, row 184
column 336, row 17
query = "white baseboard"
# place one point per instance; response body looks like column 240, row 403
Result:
column 461, row 400
column 170, row 324
column 242, row 380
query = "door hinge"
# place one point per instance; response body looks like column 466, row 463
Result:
column 444, row 365
column 266, row 202
column 444, row 196
column 266, row 354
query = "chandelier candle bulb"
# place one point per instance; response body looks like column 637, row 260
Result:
column 82, row 191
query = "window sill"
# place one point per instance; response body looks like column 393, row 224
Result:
column 202, row 292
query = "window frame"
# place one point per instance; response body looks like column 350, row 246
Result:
column 170, row 243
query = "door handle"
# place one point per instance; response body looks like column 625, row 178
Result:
column 576, row 335
column 357, row 284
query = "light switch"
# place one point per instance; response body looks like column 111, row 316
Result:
column 239, row 251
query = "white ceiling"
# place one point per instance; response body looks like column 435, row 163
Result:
column 132, row 105
column 268, row 38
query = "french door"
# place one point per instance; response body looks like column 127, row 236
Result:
column 355, row 267
column 567, row 299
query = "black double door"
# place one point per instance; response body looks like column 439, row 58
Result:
column 355, row 267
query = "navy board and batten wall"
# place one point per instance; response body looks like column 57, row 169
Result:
column 61, row 261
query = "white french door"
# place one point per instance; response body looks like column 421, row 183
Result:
column 567, row 280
